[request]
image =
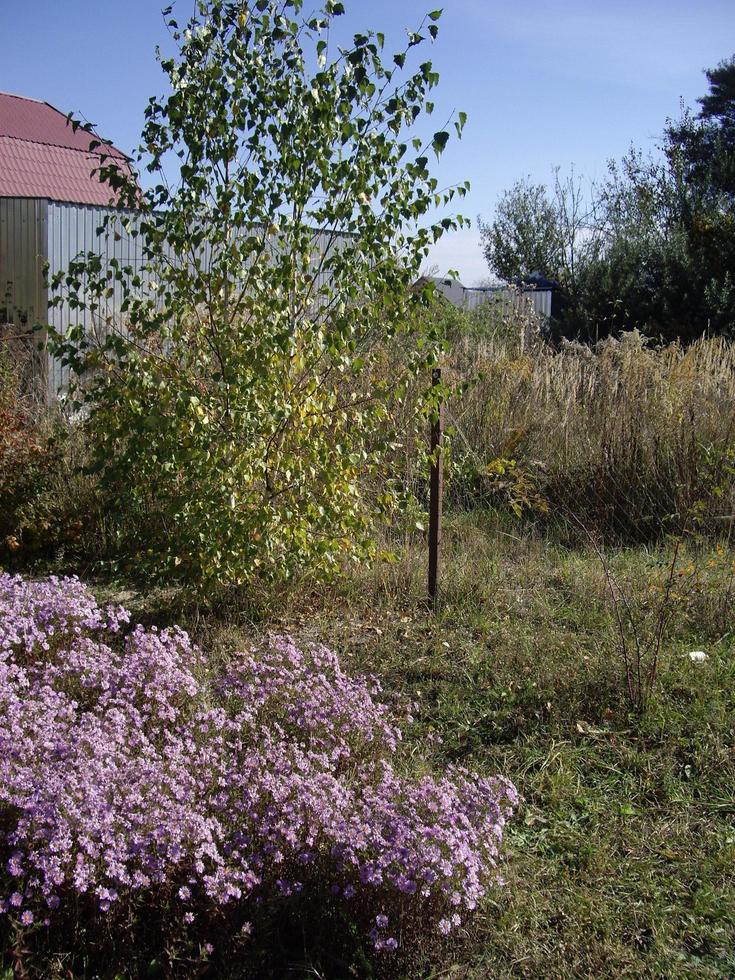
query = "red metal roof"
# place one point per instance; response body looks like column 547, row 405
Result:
column 42, row 156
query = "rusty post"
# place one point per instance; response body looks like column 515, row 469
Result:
column 436, row 488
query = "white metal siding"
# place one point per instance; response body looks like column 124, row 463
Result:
column 507, row 297
column 539, row 299
column 35, row 231
column 22, row 294
column 22, row 254
column 73, row 231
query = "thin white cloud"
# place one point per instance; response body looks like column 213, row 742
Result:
column 647, row 46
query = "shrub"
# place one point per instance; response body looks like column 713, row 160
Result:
column 137, row 785
column 35, row 517
column 52, row 512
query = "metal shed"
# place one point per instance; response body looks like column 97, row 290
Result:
column 39, row 238
column 539, row 298
column 51, row 204
column 37, row 234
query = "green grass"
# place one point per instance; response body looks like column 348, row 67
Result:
column 620, row 860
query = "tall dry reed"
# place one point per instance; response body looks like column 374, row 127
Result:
column 628, row 440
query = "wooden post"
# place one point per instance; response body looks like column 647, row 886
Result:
column 436, row 488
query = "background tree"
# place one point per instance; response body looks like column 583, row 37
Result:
column 718, row 106
column 523, row 236
column 668, row 223
column 242, row 405
column 540, row 230
column 651, row 247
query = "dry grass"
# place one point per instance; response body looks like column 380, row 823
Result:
column 631, row 441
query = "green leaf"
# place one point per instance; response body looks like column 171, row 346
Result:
column 439, row 141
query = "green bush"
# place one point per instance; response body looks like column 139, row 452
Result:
column 30, row 464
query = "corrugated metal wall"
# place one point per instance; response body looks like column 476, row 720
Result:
column 73, row 230
column 34, row 231
column 538, row 299
column 23, row 301
column 22, row 254
column 505, row 298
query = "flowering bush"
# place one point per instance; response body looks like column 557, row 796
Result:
column 130, row 769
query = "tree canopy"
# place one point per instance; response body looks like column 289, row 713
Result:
column 650, row 247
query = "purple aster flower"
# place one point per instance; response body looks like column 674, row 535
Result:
column 127, row 758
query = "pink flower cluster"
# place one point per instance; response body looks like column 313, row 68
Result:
column 128, row 764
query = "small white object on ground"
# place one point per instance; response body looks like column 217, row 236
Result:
column 698, row 656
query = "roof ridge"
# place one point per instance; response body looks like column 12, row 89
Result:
column 28, row 98
column 64, row 146
column 67, row 116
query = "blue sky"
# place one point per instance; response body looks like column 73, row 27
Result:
column 571, row 82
